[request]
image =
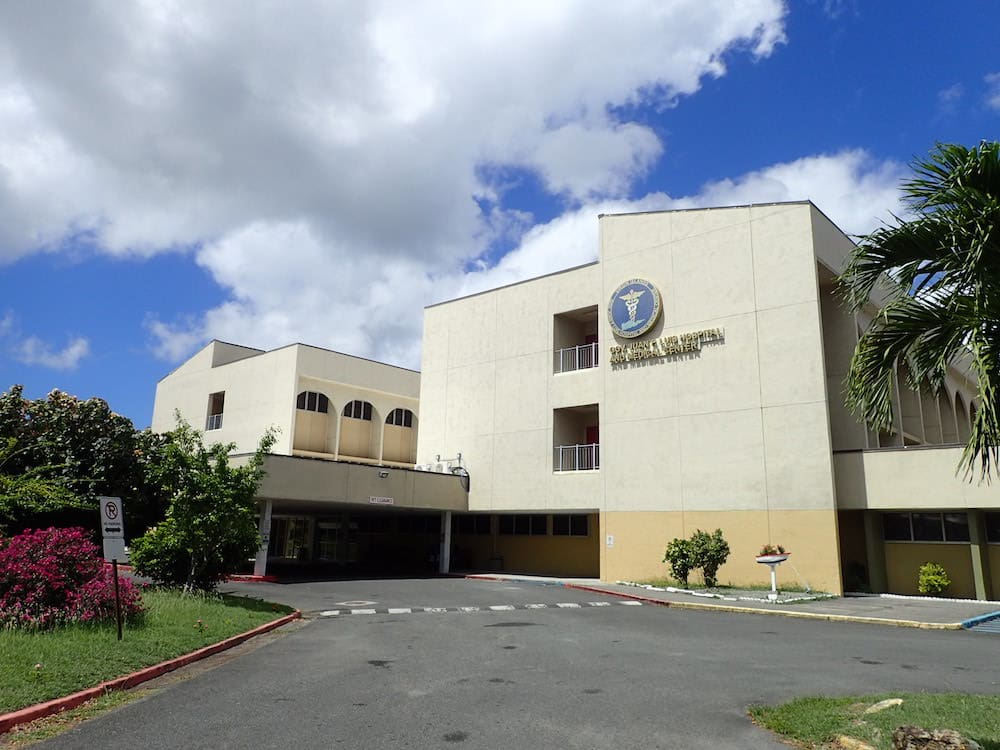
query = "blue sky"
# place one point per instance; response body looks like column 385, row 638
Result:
column 170, row 173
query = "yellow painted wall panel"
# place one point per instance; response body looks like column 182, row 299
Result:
column 903, row 561
column 640, row 539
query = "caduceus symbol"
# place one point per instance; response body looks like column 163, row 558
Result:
column 631, row 301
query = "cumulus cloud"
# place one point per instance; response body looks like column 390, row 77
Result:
column 287, row 283
column 159, row 125
column 336, row 165
column 34, row 351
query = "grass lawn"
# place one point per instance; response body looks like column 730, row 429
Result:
column 813, row 721
column 36, row 667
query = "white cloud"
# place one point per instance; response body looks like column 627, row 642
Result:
column 948, row 99
column 992, row 90
column 289, row 283
column 34, row 351
column 157, row 125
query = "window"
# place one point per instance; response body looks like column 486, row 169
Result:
column 524, row 524
column 571, row 525
column 400, row 418
column 420, row 524
column 310, row 401
column 925, row 527
column 993, row 526
column 470, row 524
column 358, row 410
column 216, row 402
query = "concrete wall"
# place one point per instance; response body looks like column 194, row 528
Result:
column 259, row 388
column 309, row 484
column 909, row 479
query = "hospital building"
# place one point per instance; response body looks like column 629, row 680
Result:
column 573, row 424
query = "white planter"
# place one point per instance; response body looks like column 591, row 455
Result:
column 772, row 559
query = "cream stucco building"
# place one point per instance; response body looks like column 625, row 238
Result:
column 726, row 413
column 588, row 426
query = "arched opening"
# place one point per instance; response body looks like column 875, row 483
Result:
column 909, row 408
column 312, row 421
column 358, row 438
column 399, row 437
column 963, row 419
column 949, row 429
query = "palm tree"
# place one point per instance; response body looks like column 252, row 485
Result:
column 939, row 276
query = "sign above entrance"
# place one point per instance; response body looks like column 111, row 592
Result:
column 372, row 500
column 634, row 308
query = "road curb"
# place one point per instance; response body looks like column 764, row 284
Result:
column 57, row 705
column 780, row 612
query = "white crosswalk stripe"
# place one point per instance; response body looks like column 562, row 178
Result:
column 491, row 608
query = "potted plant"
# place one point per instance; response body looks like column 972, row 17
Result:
column 771, row 553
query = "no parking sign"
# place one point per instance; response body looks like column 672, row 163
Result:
column 112, row 528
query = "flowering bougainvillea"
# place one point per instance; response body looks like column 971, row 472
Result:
column 54, row 576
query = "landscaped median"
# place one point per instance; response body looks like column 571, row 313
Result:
column 870, row 721
column 85, row 660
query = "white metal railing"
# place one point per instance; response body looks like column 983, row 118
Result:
column 214, row 422
column 572, row 358
column 577, row 457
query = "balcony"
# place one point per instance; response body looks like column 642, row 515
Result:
column 574, row 340
column 582, row 357
column 586, row 457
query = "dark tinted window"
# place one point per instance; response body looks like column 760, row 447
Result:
column 993, row 526
column 956, row 527
column 896, row 527
column 927, row 527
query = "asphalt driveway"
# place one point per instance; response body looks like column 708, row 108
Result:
column 502, row 664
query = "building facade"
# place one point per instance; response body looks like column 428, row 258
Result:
column 340, row 490
column 692, row 378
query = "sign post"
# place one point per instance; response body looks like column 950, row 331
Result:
column 112, row 527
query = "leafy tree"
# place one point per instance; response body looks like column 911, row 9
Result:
column 86, row 449
column 940, row 272
column 210, row 526
column 30, row 495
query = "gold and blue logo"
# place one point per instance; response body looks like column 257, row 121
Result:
column 634, row 308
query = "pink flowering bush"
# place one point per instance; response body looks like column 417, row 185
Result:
column 50, row 577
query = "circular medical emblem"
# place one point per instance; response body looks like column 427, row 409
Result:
column 634, row 308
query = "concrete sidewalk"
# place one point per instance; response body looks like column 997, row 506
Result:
column 870, row 608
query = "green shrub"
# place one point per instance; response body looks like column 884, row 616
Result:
column 933, row 579
column 703, row 550
column 678, row 555
column 710, row 552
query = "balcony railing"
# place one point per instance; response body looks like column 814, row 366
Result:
column 214, row 422
column 573, row 358
column 577, row 457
